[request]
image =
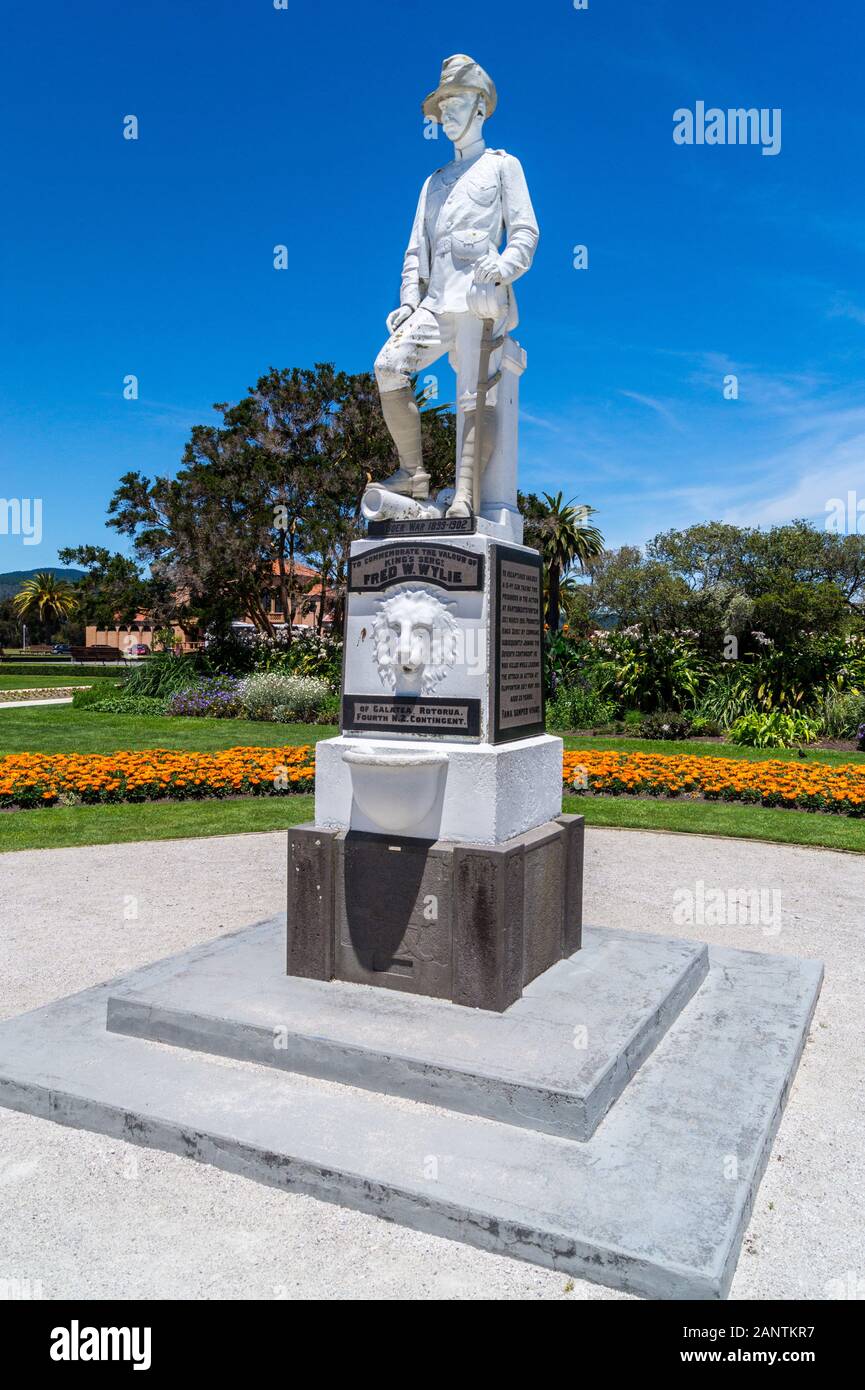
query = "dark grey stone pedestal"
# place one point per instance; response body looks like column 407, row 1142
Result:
column 469, row 923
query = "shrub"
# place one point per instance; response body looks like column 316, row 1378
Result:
column 62, row 666
column 797, row 674
column 128, row 704
column 330, row 710
column 164, row 674
column 842, row 713
column 568, row 661
column 774, row 730
column 233, row 652
column 309, row 654
column 726, row 698
column 704, row 727
column 92, row 695
column 214, row 697
column 665, row 724
column 578, row 707
column 654, row 671
column 299, row 698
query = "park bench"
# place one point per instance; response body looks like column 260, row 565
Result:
column 97, row 653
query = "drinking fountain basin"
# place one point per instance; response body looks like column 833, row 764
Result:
column 395, row 789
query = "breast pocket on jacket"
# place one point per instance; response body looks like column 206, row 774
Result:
column 483, row 193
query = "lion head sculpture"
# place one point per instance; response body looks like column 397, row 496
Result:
column 415, row 640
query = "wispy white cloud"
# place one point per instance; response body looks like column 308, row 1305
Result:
column 791, row 443
column 541, row 422
column 824, row 458
column 658, row 406
column 846, row 309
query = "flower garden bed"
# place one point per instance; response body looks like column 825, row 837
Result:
column 30, row 780
column 770, row 782
column 55, row 692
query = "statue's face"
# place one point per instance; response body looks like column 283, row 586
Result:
column 456, row 110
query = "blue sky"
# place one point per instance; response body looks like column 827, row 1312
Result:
column 302, row 126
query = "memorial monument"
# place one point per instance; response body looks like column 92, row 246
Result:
column 447, row 1048
column 438, row 809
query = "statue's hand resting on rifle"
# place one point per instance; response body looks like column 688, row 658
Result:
column 398, row 316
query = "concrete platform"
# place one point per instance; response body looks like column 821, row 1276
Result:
column 556, row 1060
column 655, row 1202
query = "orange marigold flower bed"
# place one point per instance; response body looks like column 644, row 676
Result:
column 49, row 779
column 802, row 786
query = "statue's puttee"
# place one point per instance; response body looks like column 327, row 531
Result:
column 456, row 294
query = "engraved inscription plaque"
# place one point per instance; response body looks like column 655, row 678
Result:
column 427, row 715
column 448, row 566
column 518, row 683
column 426, row 526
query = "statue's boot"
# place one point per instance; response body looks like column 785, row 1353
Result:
column 462, row 504
column 402, row 417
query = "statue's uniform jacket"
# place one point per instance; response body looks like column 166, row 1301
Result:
column 481, row 199
column 486, row 194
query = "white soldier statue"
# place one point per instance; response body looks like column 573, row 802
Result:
column 456, row 294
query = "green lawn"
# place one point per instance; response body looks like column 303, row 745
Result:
column 710, row 750
column 63, row 729
column 722, row 818
column 42, row 682
column 103, row 825
column 160, row 820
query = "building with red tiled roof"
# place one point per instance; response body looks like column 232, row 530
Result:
column 139, row 633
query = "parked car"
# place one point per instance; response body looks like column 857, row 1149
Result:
column 138, row 649
column 61, row 649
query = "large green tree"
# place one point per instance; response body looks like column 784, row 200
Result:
column 715, row 556
column 629, row 590
column 718, row 579
column 276, row 483
column 115, row 589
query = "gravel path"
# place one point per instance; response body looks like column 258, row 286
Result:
column 25, row 704
column 85, row 1216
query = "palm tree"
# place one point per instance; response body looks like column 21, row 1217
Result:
column 45, row 597
column 566, row 538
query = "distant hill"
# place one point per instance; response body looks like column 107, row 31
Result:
column 11, row 582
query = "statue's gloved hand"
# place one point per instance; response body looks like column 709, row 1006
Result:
column 398, row 316
column 490, row 270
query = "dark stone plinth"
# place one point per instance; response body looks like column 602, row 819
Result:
column 469, row 923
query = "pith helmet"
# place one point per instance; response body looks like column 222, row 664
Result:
column 461, row 74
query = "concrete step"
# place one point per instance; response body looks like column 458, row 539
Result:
column 556, row 1060
column 655, row 1202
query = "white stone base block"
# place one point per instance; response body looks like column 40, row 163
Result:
column 485, row 794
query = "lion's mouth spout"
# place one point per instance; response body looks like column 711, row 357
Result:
column 415, row 640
